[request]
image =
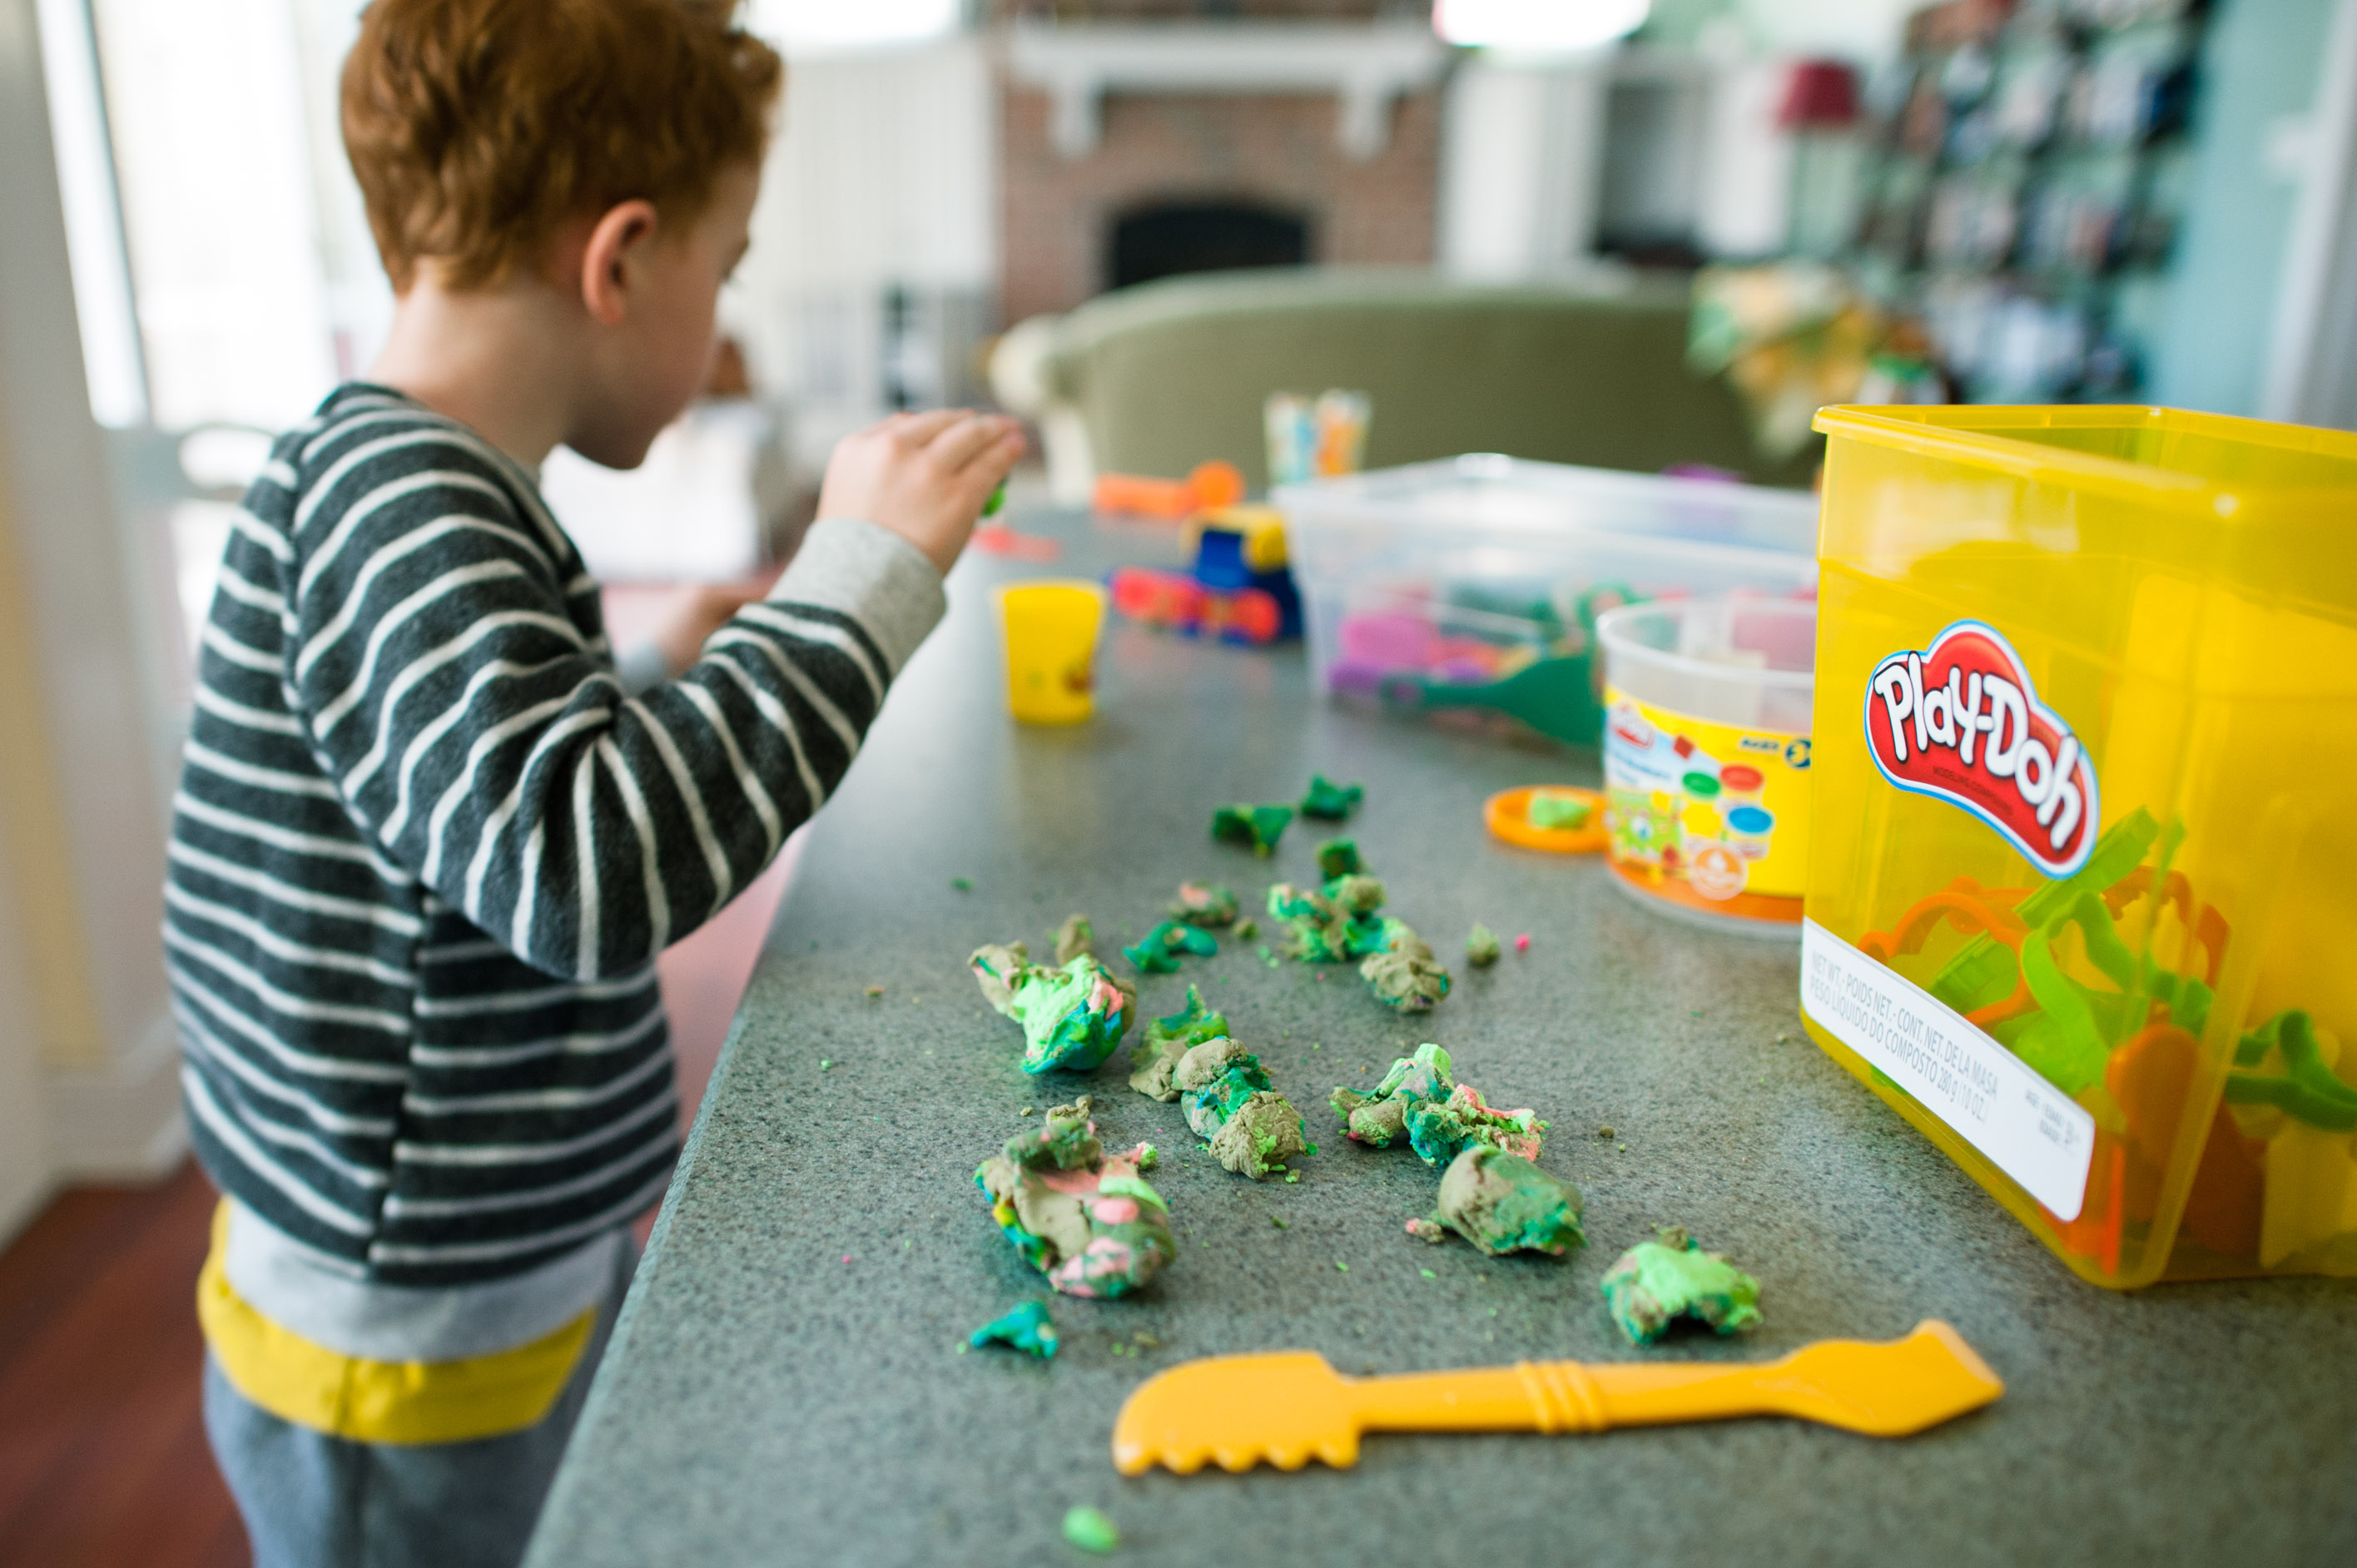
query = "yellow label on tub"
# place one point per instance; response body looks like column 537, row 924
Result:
column 1707, row 813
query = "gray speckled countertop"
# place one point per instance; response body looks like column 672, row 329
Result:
column 785, row 1384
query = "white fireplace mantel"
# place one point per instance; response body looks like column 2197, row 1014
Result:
column 1365, row 66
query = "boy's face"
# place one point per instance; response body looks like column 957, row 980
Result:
column 655, row 359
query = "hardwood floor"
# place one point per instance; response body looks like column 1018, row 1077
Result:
column 102, row 1454
column 103, row 1462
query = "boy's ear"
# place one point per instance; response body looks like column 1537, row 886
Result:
column 617, row 243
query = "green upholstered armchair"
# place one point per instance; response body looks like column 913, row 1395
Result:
column 1156, row 379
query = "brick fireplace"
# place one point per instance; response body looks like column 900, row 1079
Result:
column 1102, row 122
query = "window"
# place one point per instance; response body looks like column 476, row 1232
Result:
column 829, row 27
column 199, row 152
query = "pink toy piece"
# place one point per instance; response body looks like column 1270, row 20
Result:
column 1522, row 942
column 997, row 538
column 1390, row 638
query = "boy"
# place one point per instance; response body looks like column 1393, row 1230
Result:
column 428, row 839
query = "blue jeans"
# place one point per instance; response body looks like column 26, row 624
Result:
column 311, row 1500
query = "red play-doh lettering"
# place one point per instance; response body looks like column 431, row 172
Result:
column 1960, row 721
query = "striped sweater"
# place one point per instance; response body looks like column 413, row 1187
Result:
column 426, row 846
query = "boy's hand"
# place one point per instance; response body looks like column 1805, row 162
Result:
column 923, row 475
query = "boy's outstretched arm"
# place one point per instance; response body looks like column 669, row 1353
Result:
column 488, row 747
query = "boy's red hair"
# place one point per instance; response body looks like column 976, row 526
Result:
column 478, row 128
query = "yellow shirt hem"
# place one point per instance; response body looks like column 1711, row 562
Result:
column 379, row 1401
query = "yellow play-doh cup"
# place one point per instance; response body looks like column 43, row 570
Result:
column 1051, row 641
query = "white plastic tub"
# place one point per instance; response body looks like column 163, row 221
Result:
column 1467, row 589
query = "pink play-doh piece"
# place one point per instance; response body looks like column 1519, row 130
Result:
column 1522, row 942
column 1387, row 638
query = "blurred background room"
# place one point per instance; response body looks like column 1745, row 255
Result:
column 1609, row 232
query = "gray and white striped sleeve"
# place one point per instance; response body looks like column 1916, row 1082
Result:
column 494, row 753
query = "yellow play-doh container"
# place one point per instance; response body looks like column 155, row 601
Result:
column 1050, row 636
column 2079, row 895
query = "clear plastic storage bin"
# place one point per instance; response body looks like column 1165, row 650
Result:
column 1467, row 589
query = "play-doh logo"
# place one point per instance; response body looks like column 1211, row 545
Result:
column 1961, row 720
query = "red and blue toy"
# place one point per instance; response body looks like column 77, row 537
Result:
column 1238, row 591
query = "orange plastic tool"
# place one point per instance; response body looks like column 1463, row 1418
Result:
column 1236, row 1411
column 1210, row 485
column 1508, row 816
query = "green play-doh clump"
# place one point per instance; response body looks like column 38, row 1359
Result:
column 1440, row 1133
column 1654, row 1283
column 1439, row 1117
column 1028, row 1328
column 1258, row 828
column 1504, row 1203
column 1229, row 1102
column 1329, row 801
column 1221, row 1087
column 1356, row 893
column 1081, row 1217
column 1072, row 1017
column 1204, row 904
column 1154, row 1060
column 1315, row 930
column 1089, row 1529
column 1404, row 976
column 1338, row 857
column 1556, row 810
column 1376, row 1118
column 1157, row 952
column 1344, row 920
column 1074, row 937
